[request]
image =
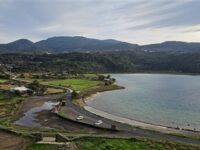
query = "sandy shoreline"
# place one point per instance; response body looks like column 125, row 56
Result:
column 131, row 122
column 83, row 102
column 135, row 123
column 106, row 115
column 121, row 119
column 118, row 118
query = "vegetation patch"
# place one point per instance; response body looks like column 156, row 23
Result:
column 75, row 84
column 69, row 146
column 115, row 62
column 43, row 147
column 54, row 91
column 3, row 81
column 89, row 143
column 130, row 144
column 5, row 86
column 8, row 106
column 6, row 98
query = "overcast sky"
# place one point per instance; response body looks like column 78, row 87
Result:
column 135, row 21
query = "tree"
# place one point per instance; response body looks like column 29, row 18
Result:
column 101, row 77
column 37, row 87
column 34, row 86
column 30, row 92
column 22, row 75
column 43, row 89
column 108, row 77
column 74, row 94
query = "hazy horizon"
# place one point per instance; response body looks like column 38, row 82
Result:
column 96, row 39
column 134, row 21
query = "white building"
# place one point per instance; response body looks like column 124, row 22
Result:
column 20, row 89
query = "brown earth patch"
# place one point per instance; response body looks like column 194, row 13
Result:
column 10, row 141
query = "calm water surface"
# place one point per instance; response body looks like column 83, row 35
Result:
column 169, row 100
column 29, row 119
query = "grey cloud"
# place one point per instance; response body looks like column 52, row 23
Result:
column 38, row 19
column 182, row 15
column 192, row 30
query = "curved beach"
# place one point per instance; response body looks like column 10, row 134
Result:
column 162, row 112
column 135, row 123
column 121, row 119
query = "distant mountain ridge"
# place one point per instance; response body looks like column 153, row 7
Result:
column 20, row 46
column 78, row 43
column 173, row 46
column 63, row 44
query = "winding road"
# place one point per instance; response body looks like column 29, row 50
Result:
column 125, row 130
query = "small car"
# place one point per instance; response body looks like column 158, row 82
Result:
column 79, row 118
column 99, row 122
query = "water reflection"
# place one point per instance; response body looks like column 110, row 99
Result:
column 29, row 119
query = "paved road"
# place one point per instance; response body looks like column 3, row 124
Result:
column 127, row 130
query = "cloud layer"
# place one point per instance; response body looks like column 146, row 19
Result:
column 136, row 21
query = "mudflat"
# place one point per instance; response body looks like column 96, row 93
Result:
column 10, row 141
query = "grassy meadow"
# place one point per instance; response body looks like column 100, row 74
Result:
column 130, row 144
column 118, row 144
column 54, row 91
column 43, row 147
column 8, row 107
column 2, row 81
column 75, row 84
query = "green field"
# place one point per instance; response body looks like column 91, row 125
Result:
column 75, row 84
column 5, row 98
column 119, row 144
column 8, row 106
column 54, row 91
column 130, row 144
column 42, row 147
column 90, row 75
column 2, row 80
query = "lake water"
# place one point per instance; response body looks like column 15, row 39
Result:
column 162, row 99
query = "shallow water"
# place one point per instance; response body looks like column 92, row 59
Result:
column 163, row 99
column 29, row 117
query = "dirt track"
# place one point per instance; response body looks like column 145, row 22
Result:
column 10, row 141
